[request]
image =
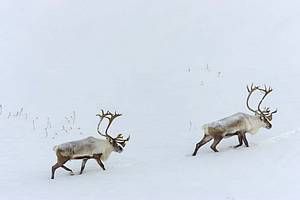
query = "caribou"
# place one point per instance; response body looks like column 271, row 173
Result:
column 238, row 124
column 90, row 148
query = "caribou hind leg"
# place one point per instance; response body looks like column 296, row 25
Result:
column 69, row 170
column 60, row 163
column 204, row 140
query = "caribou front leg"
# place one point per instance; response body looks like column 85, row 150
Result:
column 83, row 165
column 245, row 139
column 217, row 140
column 240, row 136
column 97, row 157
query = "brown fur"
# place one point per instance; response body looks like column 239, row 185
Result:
column 215, row 132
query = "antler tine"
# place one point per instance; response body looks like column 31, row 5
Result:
column 275, row 111
column 252, row 87
column 266, row 110
column 120, row 139
column 270, row 115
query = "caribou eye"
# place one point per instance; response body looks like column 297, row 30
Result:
column 262, row 118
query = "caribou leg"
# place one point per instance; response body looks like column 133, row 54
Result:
column 217, row 140
column 204, row 140
column 245, row 139
column 64, row 167
column 83, row 164
column 100, row 163
column 240, row 136
column 60, row 163
column 97, row 158
column 54, row 167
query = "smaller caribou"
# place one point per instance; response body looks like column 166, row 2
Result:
column 238, row 124
column 90, row 148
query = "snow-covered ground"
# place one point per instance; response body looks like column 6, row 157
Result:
column 169, row 67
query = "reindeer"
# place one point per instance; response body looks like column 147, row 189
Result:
column 238, row 124
column 90, row 148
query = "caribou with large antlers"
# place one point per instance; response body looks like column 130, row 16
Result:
column 90, row 148
column 238, row 124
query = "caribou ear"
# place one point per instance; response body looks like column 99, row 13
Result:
column 261, row 118
column 110, row 140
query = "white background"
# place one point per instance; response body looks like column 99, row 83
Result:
column 168, row 67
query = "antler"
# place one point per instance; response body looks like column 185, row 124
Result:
column 266, row 111
column 119, row 138
column 266, row 91
column 251, row 89
column 108, row 115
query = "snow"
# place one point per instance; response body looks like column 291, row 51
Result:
column 169, row 67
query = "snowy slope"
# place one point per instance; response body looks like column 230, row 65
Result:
column 169, row 67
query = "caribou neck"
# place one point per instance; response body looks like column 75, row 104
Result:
column 107, row 151
column 255, row 123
